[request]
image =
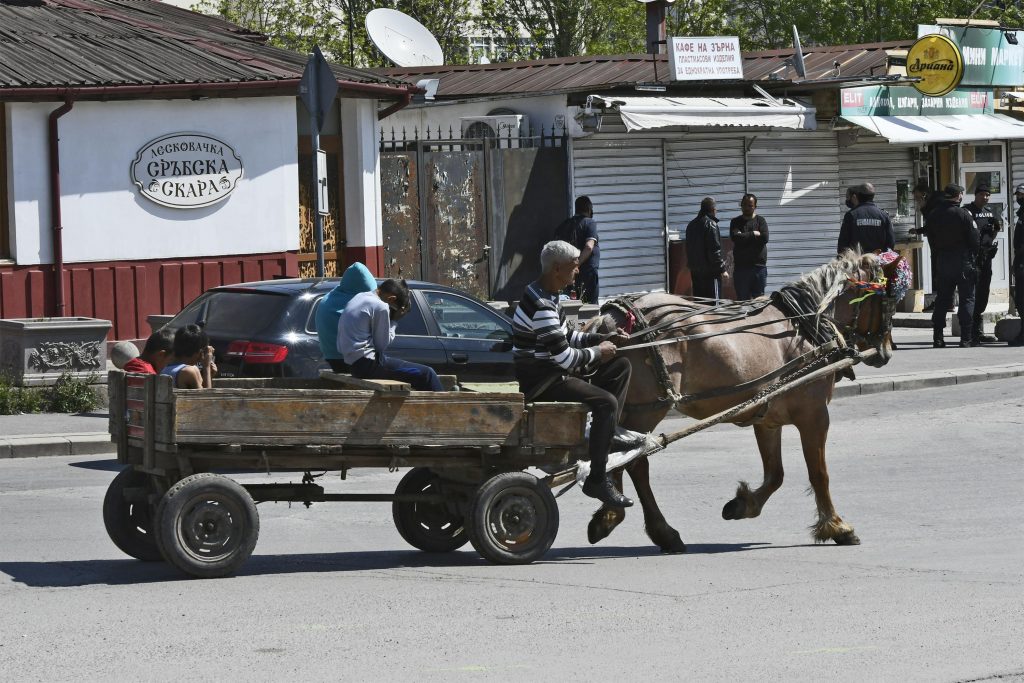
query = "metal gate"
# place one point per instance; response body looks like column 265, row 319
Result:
column 471, row 213
column 890, row 168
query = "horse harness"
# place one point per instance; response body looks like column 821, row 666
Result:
column 829, row 337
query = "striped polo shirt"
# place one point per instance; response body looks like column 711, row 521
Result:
column 543, row 341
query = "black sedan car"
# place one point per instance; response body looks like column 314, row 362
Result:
column 268, row 329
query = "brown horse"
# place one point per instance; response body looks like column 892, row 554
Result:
column 842, row 307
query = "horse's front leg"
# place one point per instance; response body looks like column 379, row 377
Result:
column 813, row 433
column 748, row 503
column 606, row 518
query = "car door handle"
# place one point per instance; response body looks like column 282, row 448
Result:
column 460, row 357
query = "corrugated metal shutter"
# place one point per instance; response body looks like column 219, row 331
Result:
column 624, row 176
column 698, row 167
column 796, row 180
column 873, row 160
column 1016, row 167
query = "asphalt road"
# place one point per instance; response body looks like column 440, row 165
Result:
column 931, row 480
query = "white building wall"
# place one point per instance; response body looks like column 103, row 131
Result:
column 361, row 168
column 103, row 214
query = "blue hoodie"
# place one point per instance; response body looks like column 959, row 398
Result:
column 357, row 279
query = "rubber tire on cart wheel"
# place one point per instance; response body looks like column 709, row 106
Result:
column 129, row 523
column 207, row 525
column 514, row 519
column 430, row 527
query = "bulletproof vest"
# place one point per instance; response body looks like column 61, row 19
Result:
column 987, row 221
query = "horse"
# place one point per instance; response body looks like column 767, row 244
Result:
column 715, row 357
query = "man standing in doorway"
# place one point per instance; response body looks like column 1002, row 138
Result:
column 704, row 252
column 1018, row 264
column 989, row 225
column 954, row 237
column 581, row 232
column 749, row 234
column 865, row 226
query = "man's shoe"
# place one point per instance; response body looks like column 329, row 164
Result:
column 939, row 343
column 988, row 339
column 604, row 490
column 969, row 343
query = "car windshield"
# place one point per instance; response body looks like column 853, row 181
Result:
column 234, row 313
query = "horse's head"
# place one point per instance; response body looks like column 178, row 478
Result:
column 865, row 309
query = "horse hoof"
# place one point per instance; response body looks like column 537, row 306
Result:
column 676, row 547
column 597, row 531
column 847, row 538
column 734, row 509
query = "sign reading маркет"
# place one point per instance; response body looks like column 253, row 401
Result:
column 705, row 59
column 186, row 170
column 989, row 58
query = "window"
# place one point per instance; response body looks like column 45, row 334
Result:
column 461, row 318
column 994, row 180
column 5, row 208
column 973, row 154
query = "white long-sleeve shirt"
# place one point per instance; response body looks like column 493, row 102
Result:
column 365, row 328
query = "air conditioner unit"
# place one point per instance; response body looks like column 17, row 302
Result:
column 504, row 126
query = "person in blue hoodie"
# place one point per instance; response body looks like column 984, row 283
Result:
column 356, row 280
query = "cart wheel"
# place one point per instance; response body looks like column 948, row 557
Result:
column 207, row 525
column 514, row 519
column 129, row 523
column 431, row 527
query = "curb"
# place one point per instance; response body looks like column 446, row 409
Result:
column 37, row 445
column 99, row 443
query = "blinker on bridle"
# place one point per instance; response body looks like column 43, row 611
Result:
column 870, row 288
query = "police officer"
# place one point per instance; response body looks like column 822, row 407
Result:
column 954, row 239
column 989, row 224
column 865, row 226
column 1018, row 264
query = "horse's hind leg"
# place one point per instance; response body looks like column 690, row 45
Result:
column 830, row 525
column 748, row 503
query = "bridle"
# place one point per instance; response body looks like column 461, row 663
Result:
column 879, row 286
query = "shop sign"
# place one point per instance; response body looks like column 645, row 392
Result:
column 705, row 58
column 896, row 100
column 186, row 170
column 936, row 60
column 989, row 58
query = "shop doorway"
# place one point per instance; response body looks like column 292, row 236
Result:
column 985, row 164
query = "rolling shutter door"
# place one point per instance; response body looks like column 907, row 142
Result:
column 624, row 177
column 1016, row 167
column 796, row 180
column 703, row 167
column 883, row 165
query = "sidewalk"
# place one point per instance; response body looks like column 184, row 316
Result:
column 915, row 365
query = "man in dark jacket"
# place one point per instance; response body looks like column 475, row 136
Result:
column 1018, row 264
column 989, row 224
column 704, row 252
column 749, row 234
column 581, row 232
column 865, row 226
column 954, row 239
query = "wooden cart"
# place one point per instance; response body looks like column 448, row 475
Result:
column 466, row 450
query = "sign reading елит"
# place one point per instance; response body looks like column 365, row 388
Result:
column 705, row 58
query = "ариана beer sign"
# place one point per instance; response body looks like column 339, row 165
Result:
column 186, row 170
column 937, row 61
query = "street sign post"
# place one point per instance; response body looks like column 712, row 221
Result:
column 317, row 90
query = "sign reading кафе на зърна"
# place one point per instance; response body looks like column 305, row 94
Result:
column 989, row 58
column 186, row 170
column 705, row 58
column 896, row 100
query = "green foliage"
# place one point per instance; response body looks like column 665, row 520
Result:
column 67, row 395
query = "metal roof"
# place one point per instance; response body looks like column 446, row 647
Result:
column 601, row 72
column 112, row 44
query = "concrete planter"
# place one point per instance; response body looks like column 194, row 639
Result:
column 36, row 351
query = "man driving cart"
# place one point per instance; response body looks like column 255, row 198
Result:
column 550, row 358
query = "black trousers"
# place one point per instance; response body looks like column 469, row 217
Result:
column 604, row 393
column 981, row 295
column 954, row 272
column 707, row 286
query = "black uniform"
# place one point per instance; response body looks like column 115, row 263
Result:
column 704, row 256
column 954, row 240
column 868, row 226
column 989, row 224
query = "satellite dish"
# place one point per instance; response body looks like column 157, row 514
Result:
column 798, row 56
column 402, row 39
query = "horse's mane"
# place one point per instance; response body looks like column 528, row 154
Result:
column 811, row 298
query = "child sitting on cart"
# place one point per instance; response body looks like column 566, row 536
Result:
column 191, row 346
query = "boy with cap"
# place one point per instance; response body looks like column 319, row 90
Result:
column 155, row 355
column 989, row 224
